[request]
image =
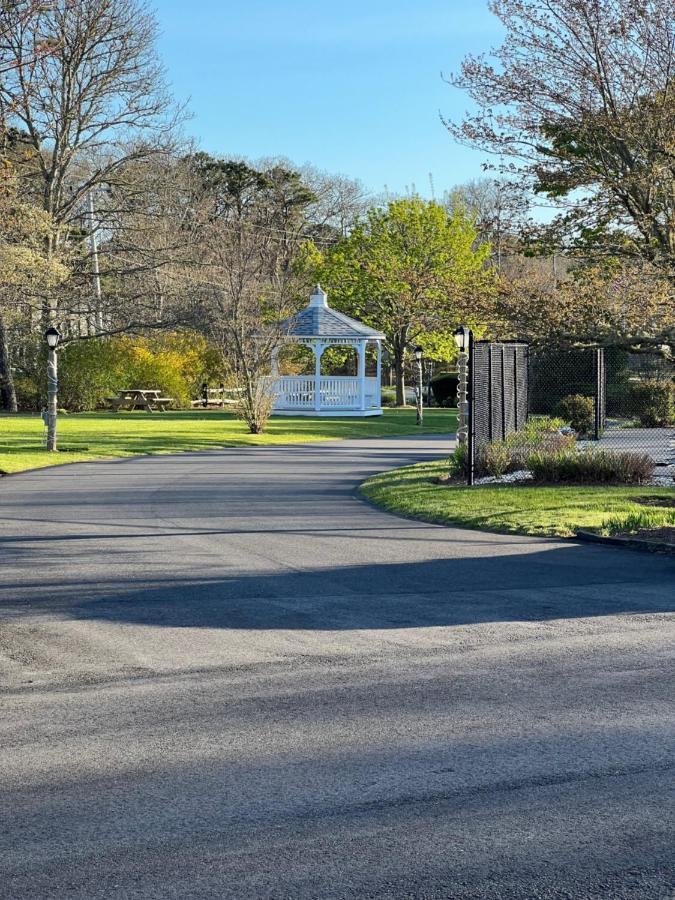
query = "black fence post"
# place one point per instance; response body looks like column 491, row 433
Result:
column 471, row 434
column 600, row 394
column 503, row 434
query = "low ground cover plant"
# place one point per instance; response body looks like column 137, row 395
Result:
column 540, row 434
column 590, row 467
column 641, row 521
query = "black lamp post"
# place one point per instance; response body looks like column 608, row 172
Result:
column 52, row 337
column 419, row 353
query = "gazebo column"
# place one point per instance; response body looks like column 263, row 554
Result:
column 318, row 353
column 378, row 378
column 362, row 374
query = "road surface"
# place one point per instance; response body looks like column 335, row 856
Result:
column 222, row 675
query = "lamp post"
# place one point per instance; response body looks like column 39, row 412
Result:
column 463, row 338
column 420, row 408
column 52, row 336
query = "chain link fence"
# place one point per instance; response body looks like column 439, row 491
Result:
column 613, row 399
column 525, row 401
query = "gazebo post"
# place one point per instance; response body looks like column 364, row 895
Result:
column 378, row 379
column 362, row 373
column 318, row 353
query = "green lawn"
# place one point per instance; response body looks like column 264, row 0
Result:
column 554, row 511
column 87, row 436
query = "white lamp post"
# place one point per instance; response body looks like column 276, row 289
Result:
column 462, row 338
column 420, row 408
column 52, row 336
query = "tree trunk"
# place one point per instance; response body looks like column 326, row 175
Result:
column 7, row 392
column 399, row 343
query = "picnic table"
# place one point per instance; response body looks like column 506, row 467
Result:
column 134, row 398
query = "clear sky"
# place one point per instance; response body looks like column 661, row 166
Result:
column 353, row 87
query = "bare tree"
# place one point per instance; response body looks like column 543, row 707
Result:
column 579, row 102
column 91, row 108
column 253, row 225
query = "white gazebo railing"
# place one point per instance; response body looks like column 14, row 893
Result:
column 336, row 392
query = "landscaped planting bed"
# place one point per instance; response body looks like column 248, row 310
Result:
column 544, row 510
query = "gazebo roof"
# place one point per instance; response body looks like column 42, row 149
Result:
column 320, row 321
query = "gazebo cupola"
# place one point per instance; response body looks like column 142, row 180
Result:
column 319, row 327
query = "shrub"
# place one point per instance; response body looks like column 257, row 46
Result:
column 511, row 455
column 90, row 371
column 538, row 425
column 494, row 459
column 579, row 411
column 590, row 467
column 459, row 460
column 388, row 396
column 444, row 389
column 653, row 403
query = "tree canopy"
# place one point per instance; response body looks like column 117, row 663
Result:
column 410, row 267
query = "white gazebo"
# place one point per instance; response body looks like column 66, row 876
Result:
column 319, row 327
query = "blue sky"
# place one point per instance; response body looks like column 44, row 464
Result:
column 353, row 88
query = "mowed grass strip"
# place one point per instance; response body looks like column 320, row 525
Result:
column 511, row 509
column 89, row 436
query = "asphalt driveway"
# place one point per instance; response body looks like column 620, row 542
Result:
column 224, row 676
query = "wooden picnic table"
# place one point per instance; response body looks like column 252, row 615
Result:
column 145, row 398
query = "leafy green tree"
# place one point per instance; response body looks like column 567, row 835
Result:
column 410, row 268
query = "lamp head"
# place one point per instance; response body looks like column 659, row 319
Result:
column 461, row 336
column 52, row 336
column 418, row 353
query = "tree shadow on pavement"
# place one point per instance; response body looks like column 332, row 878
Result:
column 553, row 583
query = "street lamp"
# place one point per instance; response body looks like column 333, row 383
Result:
column 52, row 337
column 463, row 337
column 419, row 353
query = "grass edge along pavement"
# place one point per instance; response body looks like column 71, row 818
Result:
column 541, row 511
column 86, row 437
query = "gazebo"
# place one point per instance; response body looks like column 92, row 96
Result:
column 319, row 327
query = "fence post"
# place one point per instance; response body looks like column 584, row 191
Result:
column 490, row 397
column 599, row 392
column 471, row 431
column 514, row 356
column 503, row 435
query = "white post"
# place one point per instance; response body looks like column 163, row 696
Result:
column 463, row 398
column 378, row 379
column 52, row 392
column 362, row 374
column 318, row 353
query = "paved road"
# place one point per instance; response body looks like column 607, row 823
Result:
column 223, row 676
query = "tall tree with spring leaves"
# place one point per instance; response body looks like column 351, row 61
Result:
column 409, row 268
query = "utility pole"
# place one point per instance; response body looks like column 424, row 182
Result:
column 93, row 244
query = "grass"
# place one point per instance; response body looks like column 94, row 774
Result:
column 88, row 436
column 545, row 511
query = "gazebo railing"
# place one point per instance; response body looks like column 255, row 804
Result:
column 340, row 392
column 294, row 392
column 336, row 392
